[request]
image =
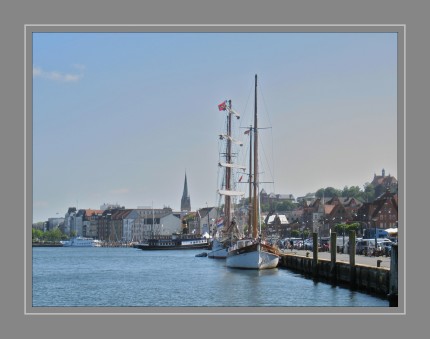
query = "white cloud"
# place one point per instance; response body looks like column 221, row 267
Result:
column 79, row 67
column 37, row 71
column 58, row 76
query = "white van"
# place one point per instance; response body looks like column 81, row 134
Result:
column 364, row 246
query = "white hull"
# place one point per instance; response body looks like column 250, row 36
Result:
column 81, row 242
column 258, row 259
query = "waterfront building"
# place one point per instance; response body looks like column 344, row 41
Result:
column 381, row 213
column 307, row 198
column 382, row 182
column 159, row 222
column 110, row 224
column 77, row 225
column 274, row 197
column 321, row 216
column 73, row 222
column 68, row 220
column 54, row 223
column 170, row 223
column 90, row 223
column 277, row 224
column 142, row 223
column 205, row 218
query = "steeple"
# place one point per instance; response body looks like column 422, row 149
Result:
column 185, row 201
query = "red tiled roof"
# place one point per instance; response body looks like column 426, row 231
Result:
column 328, row 208
column 90, row 212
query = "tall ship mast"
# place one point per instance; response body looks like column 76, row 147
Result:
column 226, row 224
column 254, row 253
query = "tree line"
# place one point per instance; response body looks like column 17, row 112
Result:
column 367, row 194
column 54, row 235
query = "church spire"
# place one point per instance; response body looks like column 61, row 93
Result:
column 185, row 201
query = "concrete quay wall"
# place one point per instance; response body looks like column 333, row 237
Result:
column 363, row 276
column 370, row 279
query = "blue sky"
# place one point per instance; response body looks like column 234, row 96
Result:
column 120, row 117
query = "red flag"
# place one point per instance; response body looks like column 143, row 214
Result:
column 222, row 106
column 247, row 131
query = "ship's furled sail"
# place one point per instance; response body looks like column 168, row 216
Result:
column 225, row 136
column 231, row 193
column 224, row 164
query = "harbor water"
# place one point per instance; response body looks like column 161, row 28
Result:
column 129, row 277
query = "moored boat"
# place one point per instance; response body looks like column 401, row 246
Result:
column 81, row 242
column 175, row 242
column 253, row 253
column 218, row 249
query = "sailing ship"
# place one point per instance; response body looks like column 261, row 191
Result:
column 226, row 228
column 253, row 252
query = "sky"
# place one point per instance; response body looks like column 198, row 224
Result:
column 121, row 117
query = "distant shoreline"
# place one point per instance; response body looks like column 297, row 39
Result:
column 47, row 244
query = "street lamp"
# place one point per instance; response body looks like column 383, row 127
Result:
column 343, row 235
column 303, row 236
column 362, row 232
column 376, row 238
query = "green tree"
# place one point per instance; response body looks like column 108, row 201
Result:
column 352, row 192
column 285, row 206
column 369, row 192
column 353, row 226
column 319, row 193
column 329, row 192
column 36, row 234
column 295, row 233
column 341, row 229
column 53, row 235
column 307, row 233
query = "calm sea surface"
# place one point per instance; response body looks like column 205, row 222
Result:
column 114, row 277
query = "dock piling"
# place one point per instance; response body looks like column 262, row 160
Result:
column 351, row 245
column 394, row 283
column 333, row 248
column 315, row 255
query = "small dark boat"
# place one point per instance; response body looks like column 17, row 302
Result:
column 203, row 254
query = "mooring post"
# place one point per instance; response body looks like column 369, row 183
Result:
column 351, row 245
column 333, row 248
column 315, row 255
column 394, row 276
